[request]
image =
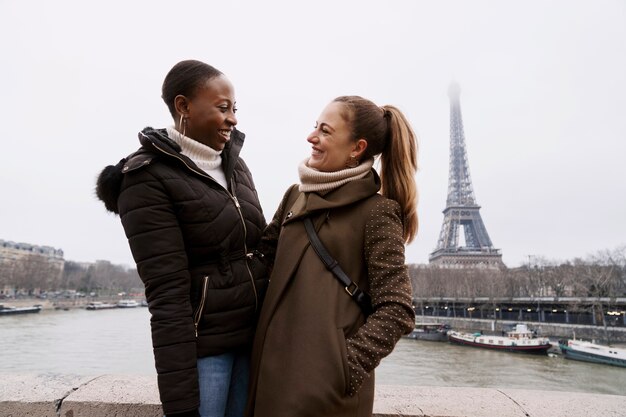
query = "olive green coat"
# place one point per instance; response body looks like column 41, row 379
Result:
column 314, row 353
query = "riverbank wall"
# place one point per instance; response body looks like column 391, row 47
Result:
column 555, row 331
column 613, row 335
column 49, row 395
column 63, row 303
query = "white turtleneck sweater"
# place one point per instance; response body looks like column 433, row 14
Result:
column 207, row 158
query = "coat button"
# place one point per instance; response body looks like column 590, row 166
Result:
column 289, row 214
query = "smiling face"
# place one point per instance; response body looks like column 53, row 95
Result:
column 332, row 143
column 210, row 113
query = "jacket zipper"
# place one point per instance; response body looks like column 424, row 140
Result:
column 243, row 223
column 245, row 246
column 198, row 314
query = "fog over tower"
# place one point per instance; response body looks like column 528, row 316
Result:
column 462, row 213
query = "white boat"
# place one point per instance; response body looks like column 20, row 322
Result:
column 127, row 303
column 591, row 352
column 520, row 339
column 98, row 305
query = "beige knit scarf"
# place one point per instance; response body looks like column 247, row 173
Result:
column 313, row 180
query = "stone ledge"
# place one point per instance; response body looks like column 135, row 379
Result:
column 491, row 402
column 51, row 395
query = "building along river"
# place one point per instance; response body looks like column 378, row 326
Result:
column 117, row 341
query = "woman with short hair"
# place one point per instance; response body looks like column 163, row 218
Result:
column 191, row 213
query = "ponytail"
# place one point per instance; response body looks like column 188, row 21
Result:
column 398, row 166
column 389, row 134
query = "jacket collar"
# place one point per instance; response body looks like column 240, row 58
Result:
column 351, row 192
column 158, row 141
column 230, row 155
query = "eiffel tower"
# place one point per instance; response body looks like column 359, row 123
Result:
column 461, row 210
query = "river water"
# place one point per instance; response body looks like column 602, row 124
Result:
column 117, row 341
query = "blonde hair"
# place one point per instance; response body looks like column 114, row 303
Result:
column 389, row 134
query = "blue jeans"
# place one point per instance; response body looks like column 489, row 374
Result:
column 223, row 384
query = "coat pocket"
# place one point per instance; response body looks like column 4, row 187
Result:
column 344, row 360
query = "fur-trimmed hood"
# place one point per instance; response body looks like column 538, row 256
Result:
column 156, row 144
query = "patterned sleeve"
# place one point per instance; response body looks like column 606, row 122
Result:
column 390, row 289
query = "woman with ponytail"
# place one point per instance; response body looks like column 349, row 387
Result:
column 315, row 348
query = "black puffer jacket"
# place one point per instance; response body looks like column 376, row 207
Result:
column 193, row 243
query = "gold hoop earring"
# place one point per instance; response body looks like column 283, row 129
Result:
column 352, row 162
column 182, row 123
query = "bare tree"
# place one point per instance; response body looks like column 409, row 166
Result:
column 34, row 273
column 75, row 277
column 6, row 273
column 109, row 278
column 601, row 276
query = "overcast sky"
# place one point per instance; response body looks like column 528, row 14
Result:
column 543, row 96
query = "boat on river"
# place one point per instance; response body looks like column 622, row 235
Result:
column 98, row 305
column 436, row 332
column 520, row 339
column 127, row 304
column 591, row 352
column 6, row 310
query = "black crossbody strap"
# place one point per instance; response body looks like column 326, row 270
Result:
column 362, row 298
